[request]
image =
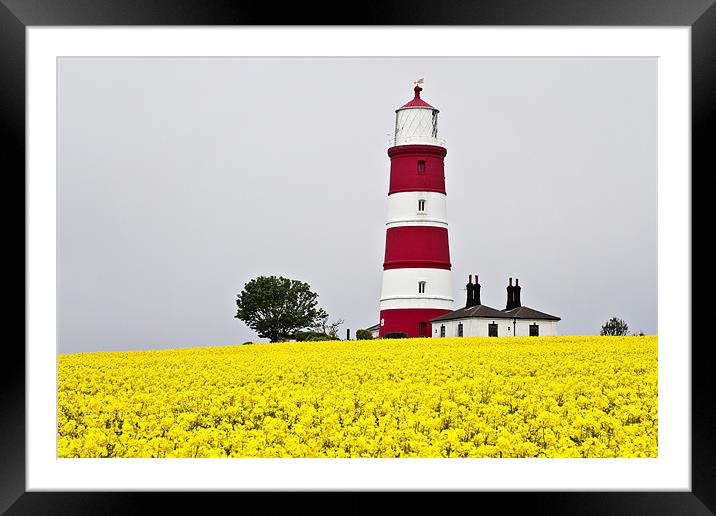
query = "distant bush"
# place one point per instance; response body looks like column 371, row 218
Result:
column 320, row 337
column 615, row 326
column 396, row 335
column 303, row 336
column 364, row 335
column 247, row 342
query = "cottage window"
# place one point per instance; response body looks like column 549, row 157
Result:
column 442, row 330
column 492, row 330
column 459, row 330
column 534, row 330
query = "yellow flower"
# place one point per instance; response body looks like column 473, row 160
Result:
column 449, row 397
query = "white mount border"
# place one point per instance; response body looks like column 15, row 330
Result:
column 670, row 471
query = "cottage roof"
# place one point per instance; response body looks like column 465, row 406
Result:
column 482, row 311
column 473, row 311
column 525, row 312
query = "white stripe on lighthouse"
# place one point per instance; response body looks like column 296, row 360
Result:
column 415, row 302
column 405, row 209
column 401, row 290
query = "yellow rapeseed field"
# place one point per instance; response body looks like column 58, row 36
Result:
column 451, row 397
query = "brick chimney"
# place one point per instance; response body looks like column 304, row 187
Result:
column 476, row 293
column 470, row 294
column 510, row 296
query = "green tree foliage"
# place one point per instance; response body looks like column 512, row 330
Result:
column 276, row 308
column 364, row 335
column 614, row 326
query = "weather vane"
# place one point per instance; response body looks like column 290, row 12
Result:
column 419, row 81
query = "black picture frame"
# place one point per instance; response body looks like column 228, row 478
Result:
column 17, row 15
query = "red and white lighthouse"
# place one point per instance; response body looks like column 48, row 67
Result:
column 416, row 269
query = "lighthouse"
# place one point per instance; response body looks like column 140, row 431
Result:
column 416, row 270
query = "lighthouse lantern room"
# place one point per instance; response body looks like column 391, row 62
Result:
column 416, row 269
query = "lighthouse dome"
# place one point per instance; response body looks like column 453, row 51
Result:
column 416, row 123
column 417, row 102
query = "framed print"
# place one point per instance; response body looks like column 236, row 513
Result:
column 160, row 68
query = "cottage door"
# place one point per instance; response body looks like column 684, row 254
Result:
column 422, row 327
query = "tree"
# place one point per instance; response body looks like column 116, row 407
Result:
column 614, row 326
column 364, row 335
column 276, row 308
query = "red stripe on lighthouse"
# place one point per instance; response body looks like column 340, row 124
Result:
column 416, row 247
column 404, row 173
column 411, row 321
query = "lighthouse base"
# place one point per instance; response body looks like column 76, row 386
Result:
column 413, row 322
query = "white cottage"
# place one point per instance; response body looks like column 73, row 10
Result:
column 374, row 330
column 478, row 320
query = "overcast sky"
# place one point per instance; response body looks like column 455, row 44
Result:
column 179, row 180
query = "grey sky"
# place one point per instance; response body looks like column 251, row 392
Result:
column 179, row 180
